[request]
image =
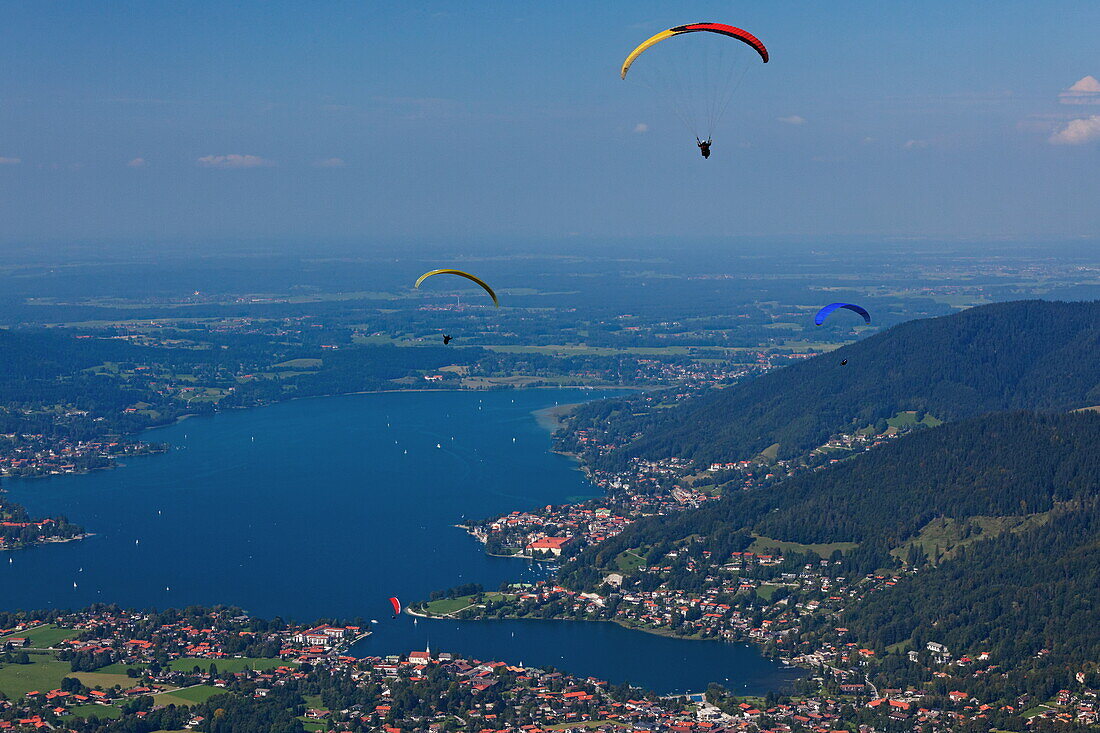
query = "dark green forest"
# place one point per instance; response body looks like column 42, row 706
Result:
column 1013, row 596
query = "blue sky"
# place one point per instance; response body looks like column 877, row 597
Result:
column 393, row 121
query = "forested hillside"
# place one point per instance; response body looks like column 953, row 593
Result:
column 1004, row 464
column 1020, row 355
column 1020, row 580
column 1012, row 596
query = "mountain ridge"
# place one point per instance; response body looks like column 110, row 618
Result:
column 1031, row 354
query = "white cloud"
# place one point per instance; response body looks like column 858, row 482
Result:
column 10, row 161
column 793, row 120
column 1083, row 91
column 915, row 144
column 329, row 163
column 233, row 160
column 1078, row 132
column 137, row 163
column 641, row 127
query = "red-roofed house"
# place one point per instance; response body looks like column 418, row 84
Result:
column 553, row 545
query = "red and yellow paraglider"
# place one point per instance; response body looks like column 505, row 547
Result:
column 697, row 79
column 720, row 28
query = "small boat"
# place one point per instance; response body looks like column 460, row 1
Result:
column 374, row 620
column 437, row 445
column 74, row 583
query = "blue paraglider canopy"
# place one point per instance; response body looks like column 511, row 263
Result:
column 824, row 312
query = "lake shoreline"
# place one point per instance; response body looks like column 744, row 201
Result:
column 788, row 665
column 553, row 419
column 47, row 541
column 186, row 416
column 340, row 456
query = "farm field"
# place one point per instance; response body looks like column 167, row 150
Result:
column 43, row 673
column 763, row 544
column 43, row 637
column 188, row 696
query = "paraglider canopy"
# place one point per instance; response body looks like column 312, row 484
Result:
column 696, row 78
column 396, row 605
column 720, row 28
column 824, row 312
column 460, row 273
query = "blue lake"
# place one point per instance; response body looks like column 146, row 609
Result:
column 325, row 508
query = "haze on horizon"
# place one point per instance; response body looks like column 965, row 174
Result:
column 173, row 121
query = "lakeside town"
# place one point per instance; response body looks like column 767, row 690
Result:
column 658, row 487
column 30, row 455
column 784, row 597
column 789, row 605
column 107, row 669
column 17, row 530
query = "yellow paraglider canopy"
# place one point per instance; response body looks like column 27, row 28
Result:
column 460, row 273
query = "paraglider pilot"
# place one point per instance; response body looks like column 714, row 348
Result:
column 704, row 147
